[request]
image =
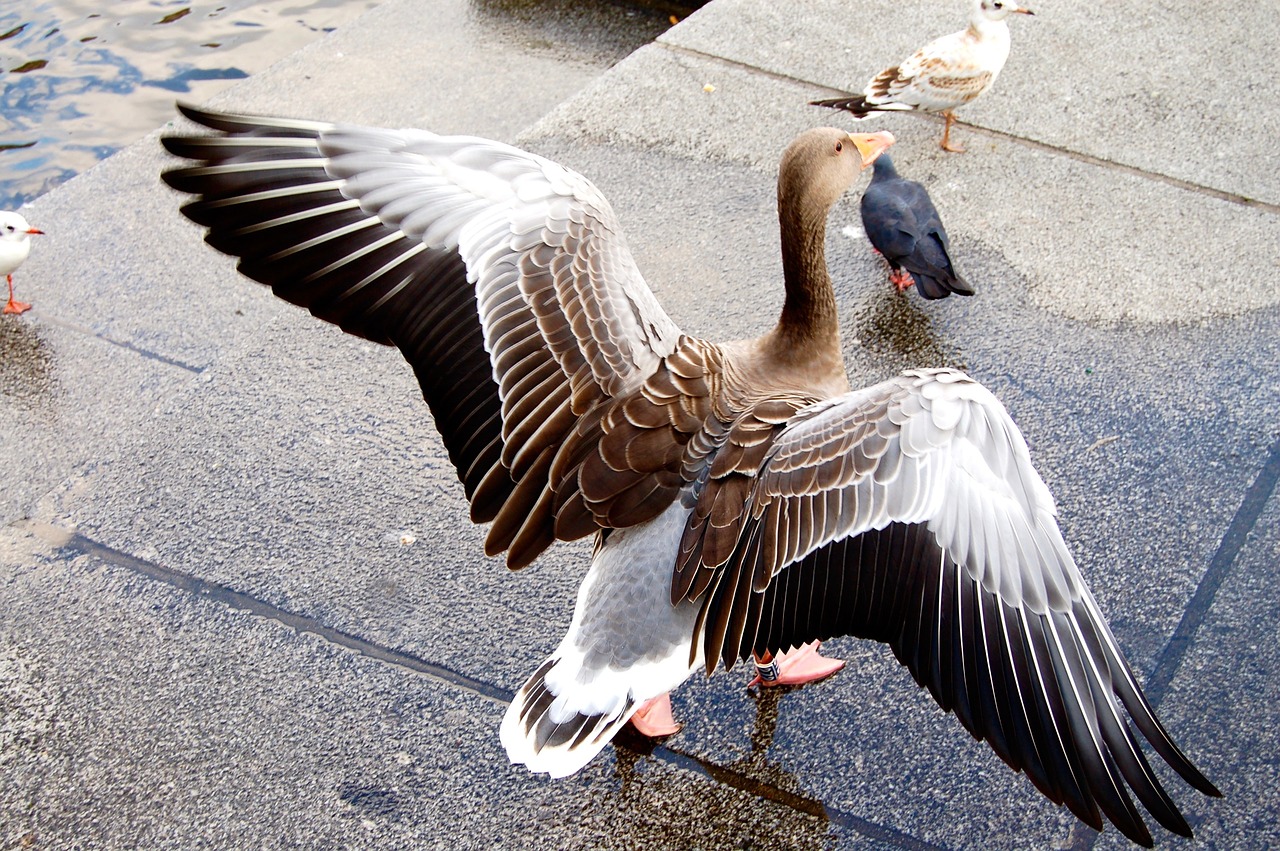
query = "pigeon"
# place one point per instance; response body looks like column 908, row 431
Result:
column 15, row 245
column 946, row 73
column 903, row 225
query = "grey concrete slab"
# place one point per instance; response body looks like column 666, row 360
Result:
column 237, row 480
column 292, row 470
column 1093, row 242
column 64, row 389
column 1148, row 434
column 1229, row 687
column 299, row 470
column 136, row 715
column 1182, row 89
column 117, row 263
column 83, row 274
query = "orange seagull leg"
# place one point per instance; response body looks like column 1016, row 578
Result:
column 12, row 306
column 946, row 134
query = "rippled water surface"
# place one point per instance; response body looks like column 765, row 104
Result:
column 83, row 79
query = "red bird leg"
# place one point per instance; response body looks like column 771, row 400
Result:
column 14, row 306
column 901, row 279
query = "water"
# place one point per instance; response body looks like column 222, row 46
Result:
column 83, row 78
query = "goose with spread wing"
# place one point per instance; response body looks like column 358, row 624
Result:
column 743, row 498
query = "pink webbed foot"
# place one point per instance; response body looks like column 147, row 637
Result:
column 796, row 667
column 16, row 307
column 654, row 718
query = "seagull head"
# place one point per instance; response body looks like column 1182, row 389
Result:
column 998, row 10
column 14, row 228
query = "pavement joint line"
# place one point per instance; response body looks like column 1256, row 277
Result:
column 1083, row 837
column 71, row 543
column 810, row 806
column 124, row 344
column 1224, row 559
column 1079, row 156
column 74, row 543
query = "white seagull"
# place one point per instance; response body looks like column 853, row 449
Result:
column 15, row 246
column 743, row 498
column 946, row 73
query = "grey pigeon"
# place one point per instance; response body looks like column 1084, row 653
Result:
column 903, row 225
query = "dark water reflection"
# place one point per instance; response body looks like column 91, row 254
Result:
column 84, row 78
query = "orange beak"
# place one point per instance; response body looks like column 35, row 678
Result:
column 35, row 230
column 872, row 145
column 1021, row 11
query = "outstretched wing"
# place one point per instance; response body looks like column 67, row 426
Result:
column 502, row 277
column 910, row 513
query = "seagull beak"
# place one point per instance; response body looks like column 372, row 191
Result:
column 35, row 230
column 872, row 145
column 1022, row 11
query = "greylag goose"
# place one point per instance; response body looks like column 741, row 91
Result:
column 903, row 225
column 742, row 497
column 946, row 73
column 15, row 247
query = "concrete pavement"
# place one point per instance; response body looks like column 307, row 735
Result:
column 238, row 606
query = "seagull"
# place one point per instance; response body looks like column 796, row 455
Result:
column 903, row 225
column 15, row 245
column 744, row 499
column 946, row 73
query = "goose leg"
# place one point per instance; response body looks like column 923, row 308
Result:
column 804, row 664
column 654, row 718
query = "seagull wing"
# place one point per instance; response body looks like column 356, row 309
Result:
column 502, row 277
column 940, row 75
column 910, row 513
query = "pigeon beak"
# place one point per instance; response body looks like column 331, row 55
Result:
column 35, row 230
column 872, row 145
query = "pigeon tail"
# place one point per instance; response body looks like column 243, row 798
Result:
column 940, row 286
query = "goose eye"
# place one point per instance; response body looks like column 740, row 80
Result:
column 839, row 147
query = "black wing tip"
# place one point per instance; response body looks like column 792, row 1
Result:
column 856, row 104
column 226, row 122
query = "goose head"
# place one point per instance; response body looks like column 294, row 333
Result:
column 820, row 164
